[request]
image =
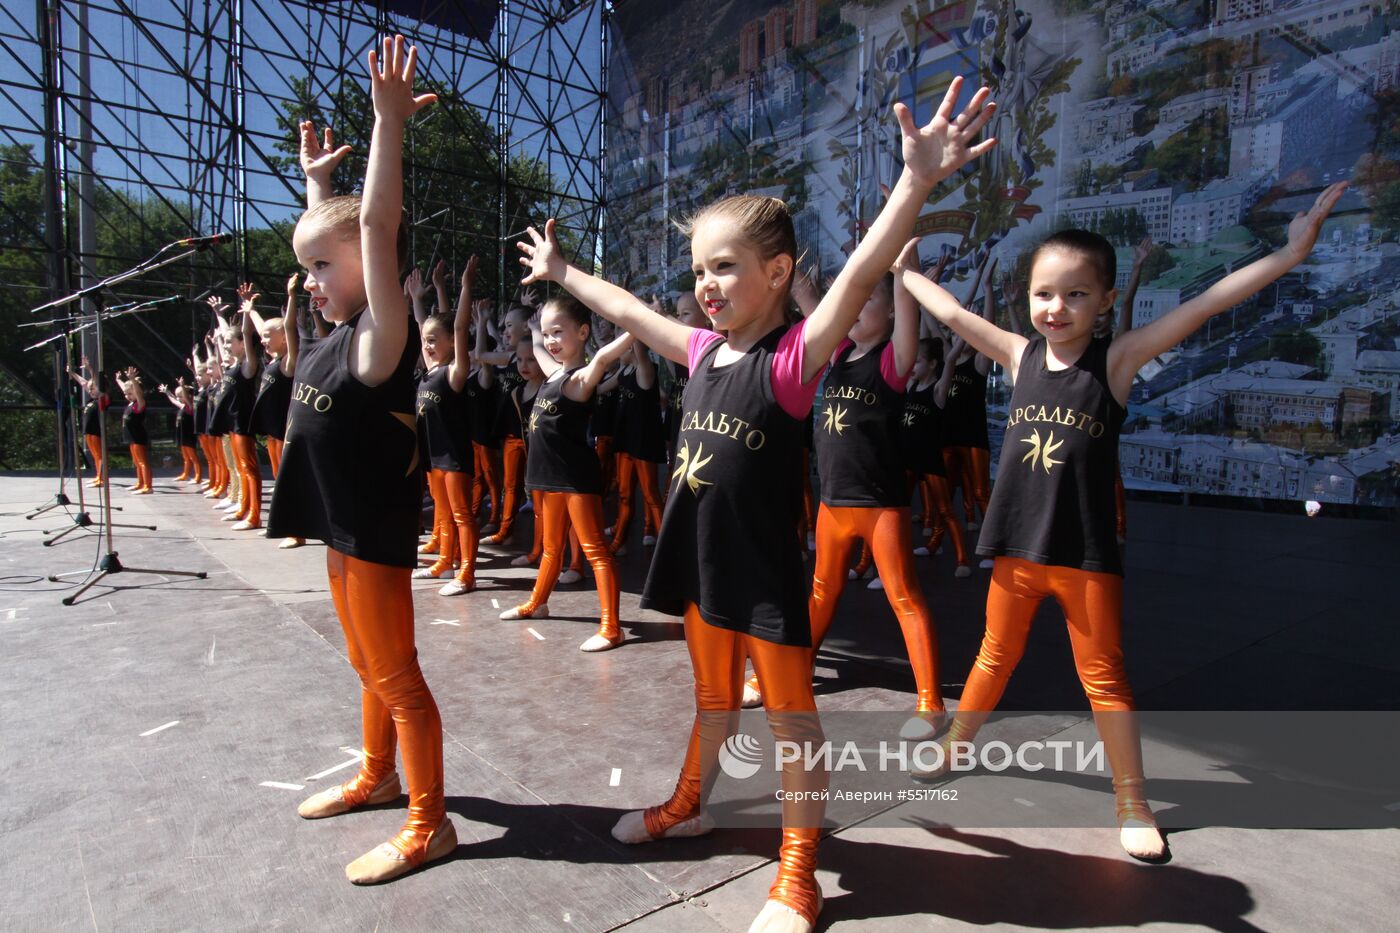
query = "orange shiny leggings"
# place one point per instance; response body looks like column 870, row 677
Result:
column 140, row 457
column 785, row 677
column 375, row 606
column 629, row 468
column 94, row 446
column 886, row 530
column 218, row 466
column 554, row 511
column 486, row 480
column 245, row 449
column 1093, row 608
column 970, row 468
column 189, row 464
column 537, row 547
column 938, row 515
column 513, row 460
column 457, row 536
column 274, row 453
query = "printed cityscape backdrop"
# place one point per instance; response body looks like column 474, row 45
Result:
column 1203, row 125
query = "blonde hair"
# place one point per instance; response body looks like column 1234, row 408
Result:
column 763, row 223
column 341, row 216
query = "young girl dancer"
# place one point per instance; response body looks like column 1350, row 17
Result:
column 443, row 417
column 1050, row 526
column 274, row 399
column 243, row 349
column 134, row 433
column 726, row 557
column 923, row 455
column 93, row 413
column 184, row 429
column 506, row 427
column 207, row 370
column 640, row 445
column 350, row 469
column 223, row 369
column 201, row 418
column 966, row 447
column 563, row 469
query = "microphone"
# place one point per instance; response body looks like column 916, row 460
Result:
column 203, row 242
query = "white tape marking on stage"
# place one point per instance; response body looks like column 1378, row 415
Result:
column 616, row 778
column 535, row 633
column 495, row 604
column 345, row 764
column 446, row 622
column 1023, row 801
column 173, row 722
column 282, row 785
column 101, row 624
column 12, row 615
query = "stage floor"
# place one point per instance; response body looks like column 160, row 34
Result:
column 158, row 735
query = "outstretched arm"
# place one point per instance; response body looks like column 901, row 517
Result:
column 1129, row 295
column 952, row 349
column 1129, row 352
column 999, row 345
column 440, row 286
column 585, row 379
column 461, row 330
column 379, row 340
column 931, row 153
column 250, row 332
column 485, row 375
column 906, row 317
column 290, row 330
column 546, row 263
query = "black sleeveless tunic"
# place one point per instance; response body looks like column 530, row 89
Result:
column 604, row 422
column 221, row 406
column 481, row 404
column 134, row 426
column 639, row 430
column 920, row 432
column 728, row 540
column 201, row 411
column 273, row 402
column 350, row 471
column 245, row 396
column 560, row 458
column 965, row 414
column 184, row 427
column 857, row 438
column 675, row 402
column 92, row 417
column 506, row 421
column 1053, row 500
column 444, row 422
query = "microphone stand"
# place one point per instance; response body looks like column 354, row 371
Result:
column 109, row 564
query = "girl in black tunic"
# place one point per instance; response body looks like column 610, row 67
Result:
column 134, row 433
column 93, row 413
column 184, row 429
column 444, row 422
column 562, row 467
column 922, row 445
column 1050, row 526
column 966, row 446
column 350, row 470
column 727, row 557
column 640, row 445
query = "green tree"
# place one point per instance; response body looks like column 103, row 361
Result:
column 1298, row 346
column 1197, row 154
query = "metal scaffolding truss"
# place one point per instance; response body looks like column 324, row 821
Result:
column 152, row 117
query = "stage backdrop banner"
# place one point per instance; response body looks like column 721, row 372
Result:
column 1187, row 133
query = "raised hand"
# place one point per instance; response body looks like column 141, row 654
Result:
column 391, row 82
column 319, row 159
column 543, row 257
column 468, row 273
column 908, row 259
column 529, row 297
column 292, row 283
column 246, row 296
column 944, row 145
column 440, row 274
column 1142, row 250
column 1306, row 225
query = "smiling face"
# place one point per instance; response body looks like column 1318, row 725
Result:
column 688, row 312
column 564, row 337
column 273, row 337
column 525, row 362
column 335, row 277
column 1067, row 296
column 438, row 345
column 734, row 285
column 516, row 326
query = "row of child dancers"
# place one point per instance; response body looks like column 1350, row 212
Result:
column 725, row 557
